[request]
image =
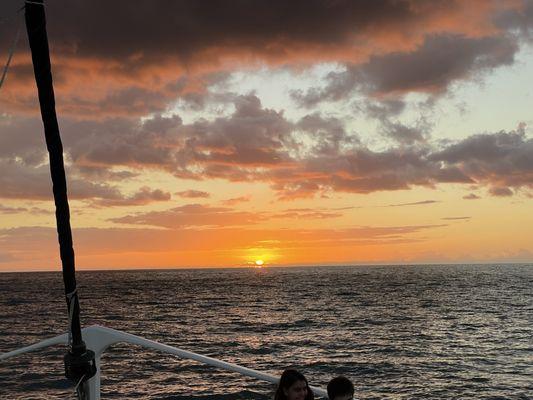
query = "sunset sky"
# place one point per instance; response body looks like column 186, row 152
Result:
column 218, row 133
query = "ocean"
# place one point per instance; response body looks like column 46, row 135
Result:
column 399, row 332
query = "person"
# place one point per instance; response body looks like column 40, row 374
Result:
column 293, row 386
column 340, row 388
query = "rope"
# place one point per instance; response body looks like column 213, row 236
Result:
column 11, row 51
column 79, row 383
column 80, row 393
column 15, row 40
column 70, row 296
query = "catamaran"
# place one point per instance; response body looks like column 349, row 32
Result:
column 85, row 346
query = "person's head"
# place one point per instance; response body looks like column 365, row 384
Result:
column 293, row 386
column 340, row 388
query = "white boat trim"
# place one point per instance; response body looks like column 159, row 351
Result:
column 99, row 338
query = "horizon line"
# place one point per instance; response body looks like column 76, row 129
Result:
column 269, row 266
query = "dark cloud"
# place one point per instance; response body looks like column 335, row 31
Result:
column 22, row 139
column 430, row 68
column 188, row 28
column 501, row 191
column 140, row 59
column 386, row 111
column 403, row 133
column 327, row 133
column 517, row 20
column 252, row 135
column 440, row 61
column 501, row 160
column 383, row 110
column 121, row 141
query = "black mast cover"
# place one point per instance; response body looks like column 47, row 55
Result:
column 78, row 362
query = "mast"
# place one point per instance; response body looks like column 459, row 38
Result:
column 79, row 362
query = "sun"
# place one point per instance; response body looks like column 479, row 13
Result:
column 259, row 263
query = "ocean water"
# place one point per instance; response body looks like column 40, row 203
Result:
column 399, row 332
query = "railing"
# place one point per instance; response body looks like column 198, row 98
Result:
column 99, row 338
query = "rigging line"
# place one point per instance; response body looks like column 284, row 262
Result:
column 11, row 17
column 11, row 52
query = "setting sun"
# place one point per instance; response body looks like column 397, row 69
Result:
column 259, row 263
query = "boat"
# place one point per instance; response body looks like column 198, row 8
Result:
column 85, row 346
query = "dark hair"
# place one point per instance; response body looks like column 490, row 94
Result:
column 340, row 386
column 288, row 378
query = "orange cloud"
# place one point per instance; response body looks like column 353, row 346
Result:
column 236, row 200
column 192, row 215
column 193, row 194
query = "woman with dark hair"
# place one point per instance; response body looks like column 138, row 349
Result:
column 293, row 386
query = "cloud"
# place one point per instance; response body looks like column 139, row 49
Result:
column 501, row 160
column 121, row 141
column 192, row 215
column 386, row 112
column 441, row 60
column 416, row 203
column 102, row 173
column 518, row 20
column 18, row 181
column 429, row 68
column 307, row 213
column 236, row 200
column 191, row 30
column 120, row 71
column 471, row 196
column 193, row 194
column 12, row 210
column 501, row 191
column 456, row 218
column 22, row 139
column 142, row 197
column 403, row 133
column 20, row 210
column 315, row 155
column 320, row 136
